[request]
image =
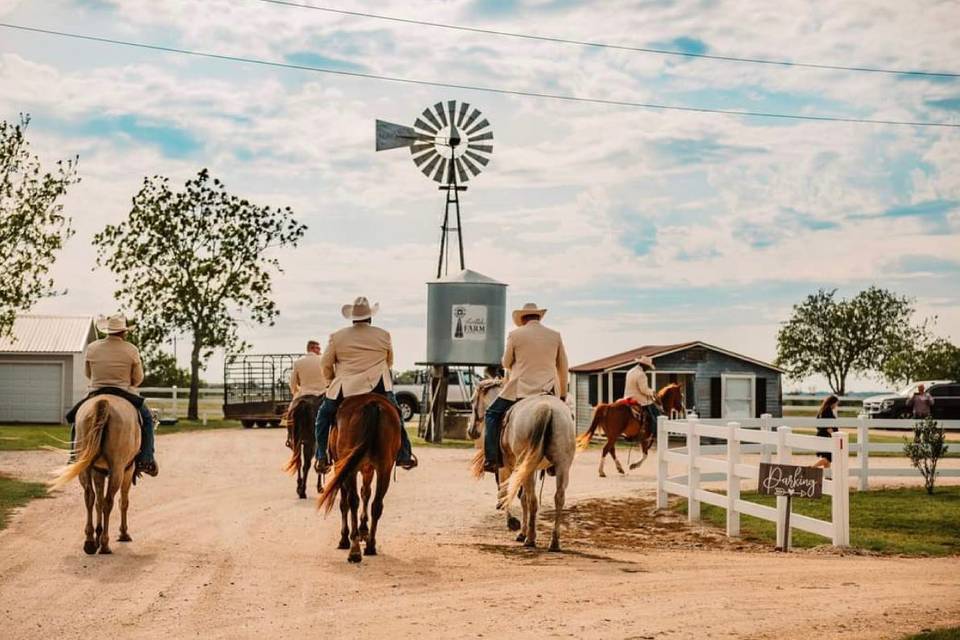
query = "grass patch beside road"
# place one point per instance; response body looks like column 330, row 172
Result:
column 447, row 443
column 14, row 493
column 27, row 437
column 952, row 633
column 892, row 521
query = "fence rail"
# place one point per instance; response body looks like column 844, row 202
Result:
column 171, row 402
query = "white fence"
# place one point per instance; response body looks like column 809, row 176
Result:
column 172, row 401
column 695, row 460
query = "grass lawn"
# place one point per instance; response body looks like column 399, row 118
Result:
column 14, row 493
column 939, row 634
column 894, row 521
column 953, row 448
column 27, row 437
column 447, row 443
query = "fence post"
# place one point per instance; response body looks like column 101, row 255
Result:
column 693, row 473
column 863, row 452
column 733, row 480
column 662, row 466
column 784, row 456
column 765, row 421
column 174, row 395
column 840, row 500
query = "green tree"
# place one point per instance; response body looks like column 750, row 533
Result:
column 932, row 359
column 194, row 261
column 835, row 338
column 32, row 225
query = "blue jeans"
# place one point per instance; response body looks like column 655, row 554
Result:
column 327, row 415
column 146, row 436
column 492, row 420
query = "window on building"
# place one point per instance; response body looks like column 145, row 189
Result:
column 593, row 390
column 738, row 396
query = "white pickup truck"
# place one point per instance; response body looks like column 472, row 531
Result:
column 410, row 396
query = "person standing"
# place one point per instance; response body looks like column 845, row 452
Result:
column 920, row 403
column 827, row 411
column 535, row 363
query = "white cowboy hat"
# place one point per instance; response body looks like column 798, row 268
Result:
column 359, row 310
column 529, row 309
column 645, row 361
column 117, row 323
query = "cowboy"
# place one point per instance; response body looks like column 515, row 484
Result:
column 358, row 360
column 307, row 380
column 536, row 363
column 637, row 391
column 113, row 367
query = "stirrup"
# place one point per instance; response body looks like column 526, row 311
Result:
column 321, row 465
column 409, row 464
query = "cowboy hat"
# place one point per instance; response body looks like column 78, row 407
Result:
column 117, row 323
column 359, row 310
column 645, row 361
column 529, row 309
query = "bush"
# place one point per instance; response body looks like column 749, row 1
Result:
column 926, row 449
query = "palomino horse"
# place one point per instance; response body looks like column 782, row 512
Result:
column 107, row 442
column 618, row 419
column 365, row 440
column 301, row 438
column 539, row 433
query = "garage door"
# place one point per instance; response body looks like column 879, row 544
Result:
column 30, row 392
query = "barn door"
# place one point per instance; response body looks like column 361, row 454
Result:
column 761, row 396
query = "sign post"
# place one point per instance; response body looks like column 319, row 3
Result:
column 790, row 481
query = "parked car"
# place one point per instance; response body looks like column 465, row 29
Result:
column 410, row 397
column 946, row 401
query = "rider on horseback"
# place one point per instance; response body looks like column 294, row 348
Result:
column 306, row 380
column 637, row 390
column 536, row 363
column 357, row 361
column 113, row 366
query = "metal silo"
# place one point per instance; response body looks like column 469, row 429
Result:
column 466, row 313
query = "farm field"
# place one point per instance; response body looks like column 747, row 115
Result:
column 223, row 549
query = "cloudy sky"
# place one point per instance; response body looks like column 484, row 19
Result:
column 632, row 226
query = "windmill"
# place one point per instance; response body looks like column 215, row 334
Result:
column 450, row 143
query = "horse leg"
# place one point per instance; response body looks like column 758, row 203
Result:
column 512, row 523
column 613, row 454
column 125, row 504
column 344, row 529
column 89, row 498
column 530, row 489
column 112, row 487
column 522, row 536
column 558, row 500
column 308, row 450
column 645, row 444
column 99, row 479
column 301, row 478
column 365, row 492
column 383, row 484
column 354, row 555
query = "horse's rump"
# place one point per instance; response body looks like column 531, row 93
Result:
column 107, row 437
column 301, row 417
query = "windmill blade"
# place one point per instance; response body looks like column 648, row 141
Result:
column 430, row 165
column 474, row 169
column 483, row 136
column 480, row 147
column 473, row 116
column 393, row 136
column 419, row 160
column 432, row 118
column 461, row 174
column 420, row 124
column 441, row 169
column 420, row 147
column 480, row 125
column 451, row 110
column 476, row 156
column 463, row 112
column 443, row 116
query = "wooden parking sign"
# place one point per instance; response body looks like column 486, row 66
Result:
column 790, row 480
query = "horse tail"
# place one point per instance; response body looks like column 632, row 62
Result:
column 476, row 465
column 599, row 416
column 346, row 467
column 532, row 455
column 92, row 445
column 293, row 464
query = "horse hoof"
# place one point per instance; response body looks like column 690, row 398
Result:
column 530, row 544
column 521, row 537
column 124, row 537
column 344, row 544
column 603, row 475
column 621, row 471
column 370, row 551
column 105, row 550
column 555, row 546
column 513, row 523
column 354, row 557
column 89, row 548
column 302, row 495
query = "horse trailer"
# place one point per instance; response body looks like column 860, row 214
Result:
column 256, row 388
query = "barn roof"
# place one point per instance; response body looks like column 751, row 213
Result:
column 656, row 351
column 49, row 334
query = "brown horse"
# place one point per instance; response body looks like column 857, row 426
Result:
column 618, row 419
column 301, row 438
column 107, row 442
column 365, row 440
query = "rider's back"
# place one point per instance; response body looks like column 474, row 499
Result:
column 357, row 358
column 113, row 362
column 536, row 360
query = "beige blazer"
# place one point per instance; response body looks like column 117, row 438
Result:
column 113, row 362
column 306, row 376
column 536, row 362
column 637, row 387
column 357, row 359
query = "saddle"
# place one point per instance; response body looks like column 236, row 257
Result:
column 132, row 398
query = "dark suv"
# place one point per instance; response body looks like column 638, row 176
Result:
column 946, row 401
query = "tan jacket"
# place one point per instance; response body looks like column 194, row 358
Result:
column 536, row 362
column 357, row 358
column 113, row 362
column 306, row 376
column 637, row 387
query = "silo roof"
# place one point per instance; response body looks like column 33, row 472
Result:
column 468, row 276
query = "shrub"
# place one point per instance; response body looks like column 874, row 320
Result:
column 926, row 449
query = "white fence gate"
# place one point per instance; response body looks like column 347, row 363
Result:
column 696, row 461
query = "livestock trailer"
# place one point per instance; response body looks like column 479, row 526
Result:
column 256, row 389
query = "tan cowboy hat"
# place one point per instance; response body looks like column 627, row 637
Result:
column 645, row 361
column 117, row 323
column 529, row 309
column 359, row 310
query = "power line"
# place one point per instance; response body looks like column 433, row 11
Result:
column 450, row 85
column 606, row 45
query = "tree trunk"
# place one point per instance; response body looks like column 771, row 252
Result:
column 192, row 407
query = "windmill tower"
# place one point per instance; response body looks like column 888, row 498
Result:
column 450, row 143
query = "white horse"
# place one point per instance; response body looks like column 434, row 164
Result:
column 538, row 434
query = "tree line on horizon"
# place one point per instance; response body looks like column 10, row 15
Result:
column 197, row 260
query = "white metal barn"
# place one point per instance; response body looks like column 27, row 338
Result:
column 41, row 367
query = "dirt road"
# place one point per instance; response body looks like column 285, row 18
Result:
column 222, row 549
